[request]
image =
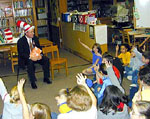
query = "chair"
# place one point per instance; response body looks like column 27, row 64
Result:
column 13, row 57
column 55, row 62
column 126, row 36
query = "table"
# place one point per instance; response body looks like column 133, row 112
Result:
column 4, row 52
column 140, row 34
column 44, row 42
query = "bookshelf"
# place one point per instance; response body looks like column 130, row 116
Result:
column 42, row 19
column 104, row 7
column 24, row 10
column 78, row 5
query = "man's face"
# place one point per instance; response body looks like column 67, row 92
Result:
column 30, row 33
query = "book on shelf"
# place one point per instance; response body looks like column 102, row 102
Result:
column 2, row 13
column 23, row 12
column 18, row 4
column 42, row 22
column 29, row 3
column 4, row 23
column 27, row 20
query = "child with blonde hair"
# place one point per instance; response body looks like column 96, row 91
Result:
column 37, row 111
column 81, row 100
column 61, row 99
column 12, row 106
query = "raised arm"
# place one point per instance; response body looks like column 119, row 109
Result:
column 112, row 76
column 25, row 109
column 117, row 49
column 138, row 54
column 81, row 81
column 85, row 45
column 3, row 90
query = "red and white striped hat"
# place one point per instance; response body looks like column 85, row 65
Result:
column 8, row 35
column 24, row 26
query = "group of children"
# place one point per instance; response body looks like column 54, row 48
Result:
column 102, row 97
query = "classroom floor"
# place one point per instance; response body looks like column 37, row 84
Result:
column 45, row 93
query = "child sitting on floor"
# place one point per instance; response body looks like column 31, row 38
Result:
column 124, row 55
column 102, row 81
column 81, row 100
column 97, row 58
column 61, row 99
column 12, row 106
column 37, row 110
column 135, row 64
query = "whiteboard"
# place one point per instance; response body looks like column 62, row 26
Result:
column 142, row 8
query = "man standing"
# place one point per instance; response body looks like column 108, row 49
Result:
column 25, row 46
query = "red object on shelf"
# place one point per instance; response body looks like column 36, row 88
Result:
column 83, row 18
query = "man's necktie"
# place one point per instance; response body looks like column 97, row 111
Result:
column 31, row 45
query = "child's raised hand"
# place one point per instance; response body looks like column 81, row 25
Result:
column 81, row 79
column 20, row 84
column 117, row 47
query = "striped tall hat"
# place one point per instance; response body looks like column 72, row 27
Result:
column 8, row 35
column 24, row 26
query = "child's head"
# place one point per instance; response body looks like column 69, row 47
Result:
column 107, row 57
column 62, row 96
column 103, row 69
column 96, row 48
column 146, row 57
column 124, row 48
column 40, row 111
column 141, row 110
column 144, row 75
column 14, row 95
column 112, row 99
column 79, row 99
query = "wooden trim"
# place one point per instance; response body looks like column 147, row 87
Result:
column 34, row 17
column 90, row 5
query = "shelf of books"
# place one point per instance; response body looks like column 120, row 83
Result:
column 23, row 10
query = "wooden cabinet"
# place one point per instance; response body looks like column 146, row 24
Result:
column 71, row 34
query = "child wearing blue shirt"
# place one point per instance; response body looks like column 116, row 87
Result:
column 102, row 82
column 97, row 58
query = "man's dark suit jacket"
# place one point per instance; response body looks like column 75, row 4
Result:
column 24, row 50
